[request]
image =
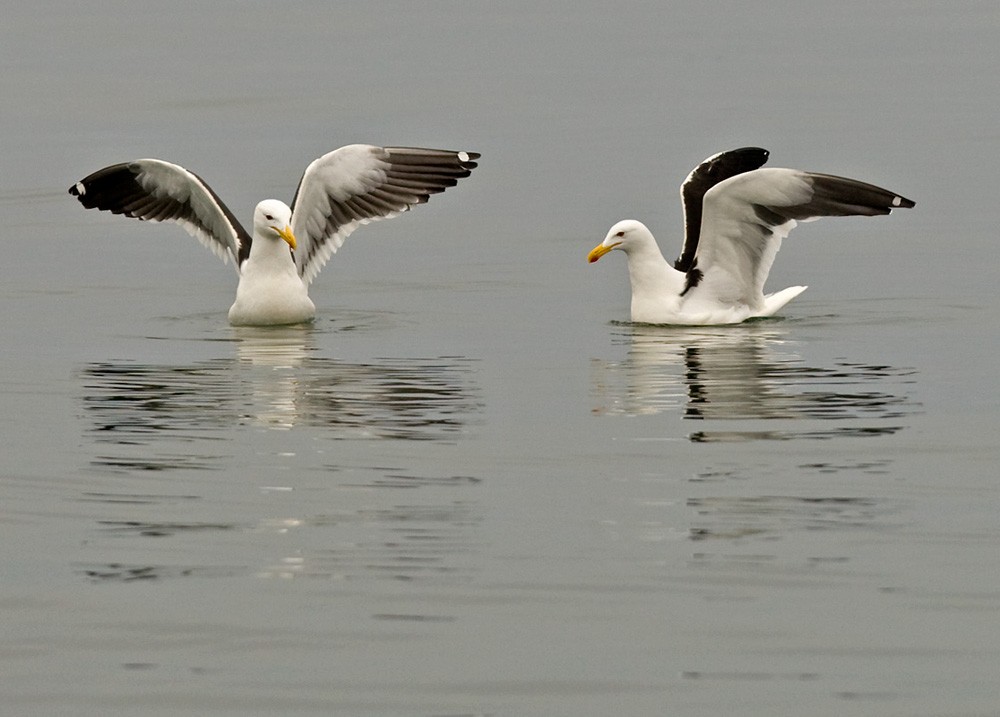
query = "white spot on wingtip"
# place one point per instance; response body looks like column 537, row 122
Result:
column 463, row 156
column 80, row 189
column 896, row 201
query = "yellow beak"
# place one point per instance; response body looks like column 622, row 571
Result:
column 287, row 235
column 600, row 250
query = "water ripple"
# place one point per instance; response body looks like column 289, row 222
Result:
column 275, row 382
column 749, row 372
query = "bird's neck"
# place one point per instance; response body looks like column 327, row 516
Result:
column 649, row 271
column 269, row 255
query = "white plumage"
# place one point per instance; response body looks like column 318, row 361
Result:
column 338, row 192
column 736, row 216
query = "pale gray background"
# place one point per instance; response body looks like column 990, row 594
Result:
column 467, row 490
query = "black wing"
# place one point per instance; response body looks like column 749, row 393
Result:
column 157, row 191
column 706, row 175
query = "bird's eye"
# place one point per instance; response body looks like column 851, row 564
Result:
column 268, row 217
column 620, row 234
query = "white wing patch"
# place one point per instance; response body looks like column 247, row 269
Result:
column 738, row 245
column 361, row 183
column 209, row 224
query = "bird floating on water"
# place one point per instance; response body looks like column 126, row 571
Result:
column 735, row 216
column 341, row 190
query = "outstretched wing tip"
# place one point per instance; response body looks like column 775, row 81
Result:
column 157, row 191
column 358, row 184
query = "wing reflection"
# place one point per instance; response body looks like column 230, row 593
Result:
column 275, row 380
column 388, row 520
column 748, row 372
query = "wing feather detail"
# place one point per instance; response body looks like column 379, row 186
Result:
column 157, row 191
column 360, row 183
column 717, row 168
column 747, row 216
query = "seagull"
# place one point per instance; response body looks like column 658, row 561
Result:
column 735, row 215
column 341, row 190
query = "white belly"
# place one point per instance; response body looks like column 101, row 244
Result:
column 271, row 299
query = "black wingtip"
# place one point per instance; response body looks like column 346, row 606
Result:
column 467, row 160
column 715, row 169
column 724, row 165
column 746, row 158
column 840, row 196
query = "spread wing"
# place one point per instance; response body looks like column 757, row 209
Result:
column 706, row 175
column 747, row 216
column 157, row 191
column 361, row 183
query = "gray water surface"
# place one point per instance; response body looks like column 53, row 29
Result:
column 471, row 487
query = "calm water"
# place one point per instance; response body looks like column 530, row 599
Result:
column 471, row 488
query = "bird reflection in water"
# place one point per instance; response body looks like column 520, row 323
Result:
column 190, row 418
column 746, row 372
column 275, row 380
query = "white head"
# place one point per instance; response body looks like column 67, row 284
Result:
column 625, row 235
column 271, row 220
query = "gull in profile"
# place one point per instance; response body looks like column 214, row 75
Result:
column 736, row 214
